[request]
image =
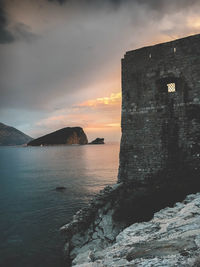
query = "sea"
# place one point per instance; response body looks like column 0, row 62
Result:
column 32, row 210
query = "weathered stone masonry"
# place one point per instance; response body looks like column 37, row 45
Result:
column 160, row 129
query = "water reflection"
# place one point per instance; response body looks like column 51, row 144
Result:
column 32, row 210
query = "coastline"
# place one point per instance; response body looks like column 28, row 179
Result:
column 171, row 238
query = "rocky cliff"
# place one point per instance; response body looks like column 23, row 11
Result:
column 11, row 136
column 171, row 238
column 114, row 208
column 65, row 136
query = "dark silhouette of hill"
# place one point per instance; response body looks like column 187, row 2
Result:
column 11, row 136
column 67, row 136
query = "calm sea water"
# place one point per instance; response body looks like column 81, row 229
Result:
column 32, row 211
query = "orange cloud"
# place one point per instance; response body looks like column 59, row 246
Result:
column 113, row 99
column 194, row 22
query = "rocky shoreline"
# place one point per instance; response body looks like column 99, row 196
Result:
column 96, row 227
column 171, row 238
column 92, row 226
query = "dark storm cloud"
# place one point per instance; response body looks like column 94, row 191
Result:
column 23, row 32
column 153, row 4
column 60, row 51
column 160, row 4
column 18, row 31
column 5, row 35
column 58, row 1
column 93, row 2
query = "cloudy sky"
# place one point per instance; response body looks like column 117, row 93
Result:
column 60, row 60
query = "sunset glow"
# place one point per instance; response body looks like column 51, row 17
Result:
column 98, row 116
column 194, row 22
column 62, row 59
column 113, row 99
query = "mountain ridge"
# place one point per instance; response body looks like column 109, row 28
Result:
column 11, row 136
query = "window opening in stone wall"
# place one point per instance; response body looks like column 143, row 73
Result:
column 171, row 87
column 174, row 49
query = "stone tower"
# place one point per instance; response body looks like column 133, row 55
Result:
column 161, row 112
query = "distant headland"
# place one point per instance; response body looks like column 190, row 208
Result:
column 10, row 136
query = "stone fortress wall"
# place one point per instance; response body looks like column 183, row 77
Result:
column 160, row 110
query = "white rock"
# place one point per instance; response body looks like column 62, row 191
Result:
column 171, row 238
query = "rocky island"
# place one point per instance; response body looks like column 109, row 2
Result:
column 159, row 166
column 97, row 141
column 64, row 136
column 10, row 136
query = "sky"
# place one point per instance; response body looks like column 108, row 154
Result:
column 61, row 59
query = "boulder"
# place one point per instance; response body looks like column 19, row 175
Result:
column 97, row 141
column 60, row 188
